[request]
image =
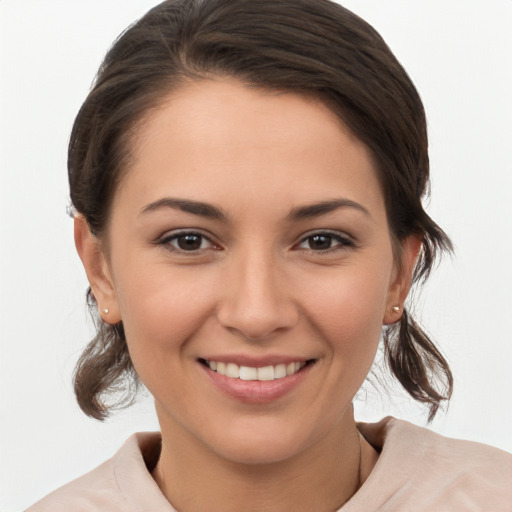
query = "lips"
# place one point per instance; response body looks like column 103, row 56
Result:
column 257, row 383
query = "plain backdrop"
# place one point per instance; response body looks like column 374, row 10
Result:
column 458, row 54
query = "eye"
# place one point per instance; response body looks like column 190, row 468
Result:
column 325, row 241
column 188, row 241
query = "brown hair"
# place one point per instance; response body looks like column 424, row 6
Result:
column 313, row 47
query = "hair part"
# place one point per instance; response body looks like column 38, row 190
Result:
column 310, row 47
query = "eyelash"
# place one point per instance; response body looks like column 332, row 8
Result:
column 167, row 241
column 341, row 242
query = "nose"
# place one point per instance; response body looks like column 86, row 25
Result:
column 257, row 301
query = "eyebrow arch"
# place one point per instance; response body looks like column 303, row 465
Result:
column 317, row 209
column 188, row 206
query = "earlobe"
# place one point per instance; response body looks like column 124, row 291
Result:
column 97, row 269
column 401, row 285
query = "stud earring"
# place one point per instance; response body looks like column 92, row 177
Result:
column 105, row 311
column 396, row 309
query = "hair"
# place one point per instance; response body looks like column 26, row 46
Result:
column 311, row 47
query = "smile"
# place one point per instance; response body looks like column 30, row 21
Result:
column 264, row 373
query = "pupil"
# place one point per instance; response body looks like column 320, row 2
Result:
column 320, row 242
column 189, row 242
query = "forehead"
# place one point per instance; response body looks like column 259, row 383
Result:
column 226, row 137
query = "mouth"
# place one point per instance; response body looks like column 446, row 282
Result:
column 251, row 373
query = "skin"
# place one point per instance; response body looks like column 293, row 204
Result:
column 259, row 285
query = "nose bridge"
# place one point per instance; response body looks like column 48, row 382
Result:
column 256, row 301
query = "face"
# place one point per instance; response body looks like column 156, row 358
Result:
column 249, row 259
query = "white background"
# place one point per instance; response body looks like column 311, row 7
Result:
column 458, row 52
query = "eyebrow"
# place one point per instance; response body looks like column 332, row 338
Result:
column 323, row 208
column 212, row 212
column 195, row 207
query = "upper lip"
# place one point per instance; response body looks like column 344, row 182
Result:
column 256, row 362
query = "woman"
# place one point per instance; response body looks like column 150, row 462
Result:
column 247, row 179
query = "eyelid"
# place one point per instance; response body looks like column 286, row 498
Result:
column 346, row 241
column 169, row 236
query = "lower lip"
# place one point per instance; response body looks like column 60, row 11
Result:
column 256, row 391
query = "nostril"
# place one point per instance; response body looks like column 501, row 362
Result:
column 257, row 325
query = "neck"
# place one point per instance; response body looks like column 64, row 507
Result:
column 321, row 478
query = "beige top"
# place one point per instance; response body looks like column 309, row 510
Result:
column 417, row 470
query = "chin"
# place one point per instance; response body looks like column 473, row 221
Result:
column 257, row 444
column 251, row 453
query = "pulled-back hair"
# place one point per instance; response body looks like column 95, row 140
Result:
column 310, row 47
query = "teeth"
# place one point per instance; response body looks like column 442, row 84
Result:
column 233, row 371
column 265, row 373
column 279, row 371
column 247, row 373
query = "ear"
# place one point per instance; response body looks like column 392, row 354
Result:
column 401, row 284
column 98, row 272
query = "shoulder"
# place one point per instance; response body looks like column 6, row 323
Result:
column 91, row 492
column 432, row 472
column 440, row 453
column 121, row 484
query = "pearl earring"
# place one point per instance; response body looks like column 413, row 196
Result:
column 105, row 311
column 396, row 309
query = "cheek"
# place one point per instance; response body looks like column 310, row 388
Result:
column 349, row 309
column 160, row 311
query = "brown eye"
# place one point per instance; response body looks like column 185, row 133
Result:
column 190, row 242
column 187, row 242
column 320, row 242
column 324, row 242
